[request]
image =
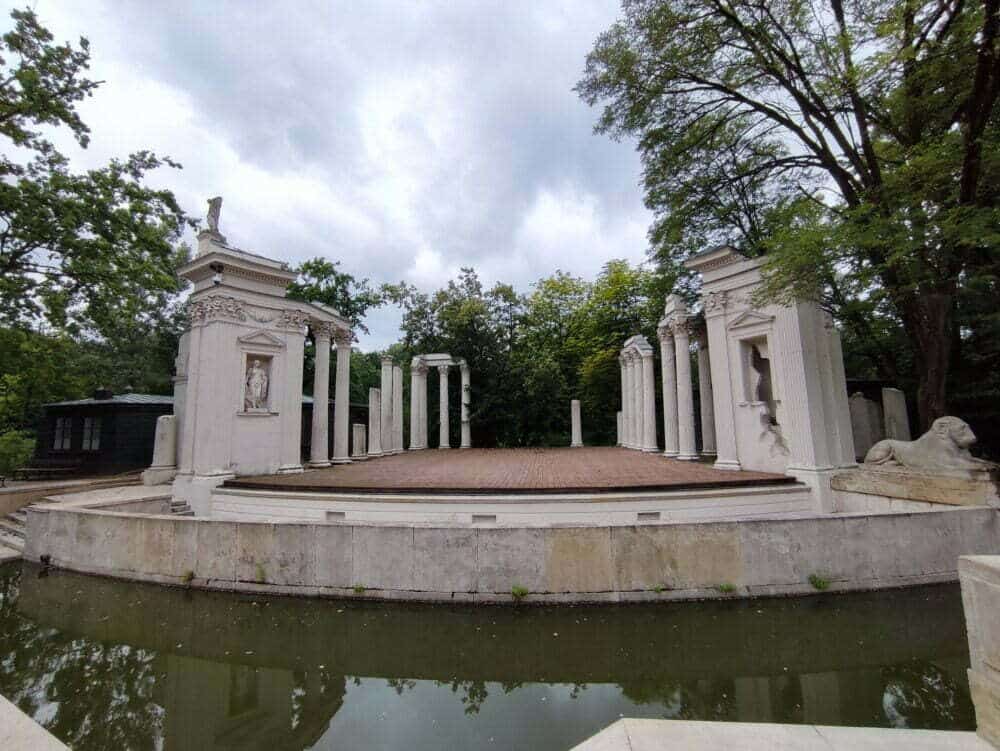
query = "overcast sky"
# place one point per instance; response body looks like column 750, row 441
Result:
column 404, row 139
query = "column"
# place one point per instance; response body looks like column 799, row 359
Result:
column 722, row 384
column 414, row 406
column 423, row 418
column 685, row 391
column 623, row 413
column 397, row 409
column 374, row 422
column 705, row 394
column 627, row 402
column 466, row 401
column 444, row 442
column 637, row 391
column 618, row 434
column 342, row 397
column 576, row 434
column 385, row 414
column 358, row 448
column 668, row 366
column 319, row 447
column 648, row 403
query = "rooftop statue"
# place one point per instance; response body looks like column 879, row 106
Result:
column 214, row 209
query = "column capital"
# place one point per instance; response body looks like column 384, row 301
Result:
column 321, row 329
column 681, row 327
column 386, row 360
column 715, row 303
column 342, row 337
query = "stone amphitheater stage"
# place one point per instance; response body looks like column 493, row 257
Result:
column 513, row 487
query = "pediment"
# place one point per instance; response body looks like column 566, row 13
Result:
column 261, row 339
column 749, row 318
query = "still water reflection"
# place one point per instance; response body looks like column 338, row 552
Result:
column 112, row 665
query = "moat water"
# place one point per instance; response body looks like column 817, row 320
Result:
column 113, row 665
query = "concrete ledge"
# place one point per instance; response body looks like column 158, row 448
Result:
column 648, row 562
column 981, row 600
column 18, row 732
column 647, row 735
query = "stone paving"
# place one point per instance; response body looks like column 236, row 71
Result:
column 592, row 469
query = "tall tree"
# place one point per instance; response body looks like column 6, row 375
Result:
column 856, row 143
column 78, row 251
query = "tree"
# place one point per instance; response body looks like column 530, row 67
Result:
column 322, row 281
column 78, row 251
column 855, row 143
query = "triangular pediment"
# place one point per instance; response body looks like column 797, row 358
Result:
column 261, row 339
column 749, row 318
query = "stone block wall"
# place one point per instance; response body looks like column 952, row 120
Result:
column 981, row 600
column 567, row 564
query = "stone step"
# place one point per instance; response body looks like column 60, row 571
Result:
column 189, row 512
column 12, row 528
column 12, row 541
column 20, row 515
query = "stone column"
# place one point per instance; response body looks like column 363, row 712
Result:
column 648, row 403
column 722, row 388
column 466, row 401
column 668, row 368
column 385, row 412
column 638, row 388
column 397, row 409
column 444, row 442
column 618, row 434
column 358, row 449
column 342, row 397
column 623, row 413
column 705, row 394
column 414, row 407
column 374, row 422
column 685, row 391
column 628, row 402
column 319, row 447
column 576, row 433
column 897, row 421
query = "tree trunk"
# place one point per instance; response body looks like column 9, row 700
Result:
column 928, row 321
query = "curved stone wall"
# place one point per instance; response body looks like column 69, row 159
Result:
column 554, row 564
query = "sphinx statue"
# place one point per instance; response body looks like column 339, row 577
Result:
column 944, row 447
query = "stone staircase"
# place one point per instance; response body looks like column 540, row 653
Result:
column 12, row 530
column 181, row 508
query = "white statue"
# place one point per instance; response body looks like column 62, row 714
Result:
column 257, row 381
column 945, row 446
column 214, row 209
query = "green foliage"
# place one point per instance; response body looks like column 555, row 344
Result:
column 858, row 146
column 260, row 574
column 187, row 577
column 726, row 588
column 518, row 592
column 16, row 448
column 79, row 252
column 321, row 281
column 818, row 582
column 359, row 589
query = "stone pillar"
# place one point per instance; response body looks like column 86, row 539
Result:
column 648, row 403
column 638, row 388
column 722, row 394
column 897, row 421
column 685, row 392
column 164, row 466
column 618, row 434
column 374, row 422
column 630, row 430
column 358, row 447
column 576, row 433
column 342, row 397
column 414, row 407
column 668, row 367
column 385, row 413
column 705, row 394
column 397, row 409
column 319, row 447
column 466, row 400
column 444, row 442
column 623, row 412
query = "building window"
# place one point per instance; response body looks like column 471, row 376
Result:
column 64, row 426
column 91, row 433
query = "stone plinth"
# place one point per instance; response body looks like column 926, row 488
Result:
column 951, row 488
column 359, row 450
column 980, row 577
column 164, row 465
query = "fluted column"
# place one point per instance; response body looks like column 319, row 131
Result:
column 623, row 413
column 648, row 403
column 319, row 446
column 627, row 401
column 397, row 409
column 668, row 367
column 576, row 431
column 342, row 397
column 422, row 426
column 637, row 390
column 618, row 435
column 374, row 422
column 415, row 406
column 466, row 401
column 385, row 409
column 715, row 304
column 685, row 392
column 444, row 441
column 706, row 397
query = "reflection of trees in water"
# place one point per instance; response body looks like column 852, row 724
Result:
column 919, row 694
column 473, row 693
column 48, row 675
column 401, row 685
column 703, row 699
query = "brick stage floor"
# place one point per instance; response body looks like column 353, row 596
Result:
column 548, row 470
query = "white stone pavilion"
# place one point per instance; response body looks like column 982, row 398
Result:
column 419, row 367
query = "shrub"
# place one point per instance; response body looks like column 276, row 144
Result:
column 818, row 582
column 518, row 592
column 726, row 588
column 16, row 448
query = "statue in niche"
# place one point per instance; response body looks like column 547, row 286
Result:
column 762, row 390
column 214, row 209
column 944, row 447
column 257, row 383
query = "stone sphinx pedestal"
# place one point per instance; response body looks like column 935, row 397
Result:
column 955, row 487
